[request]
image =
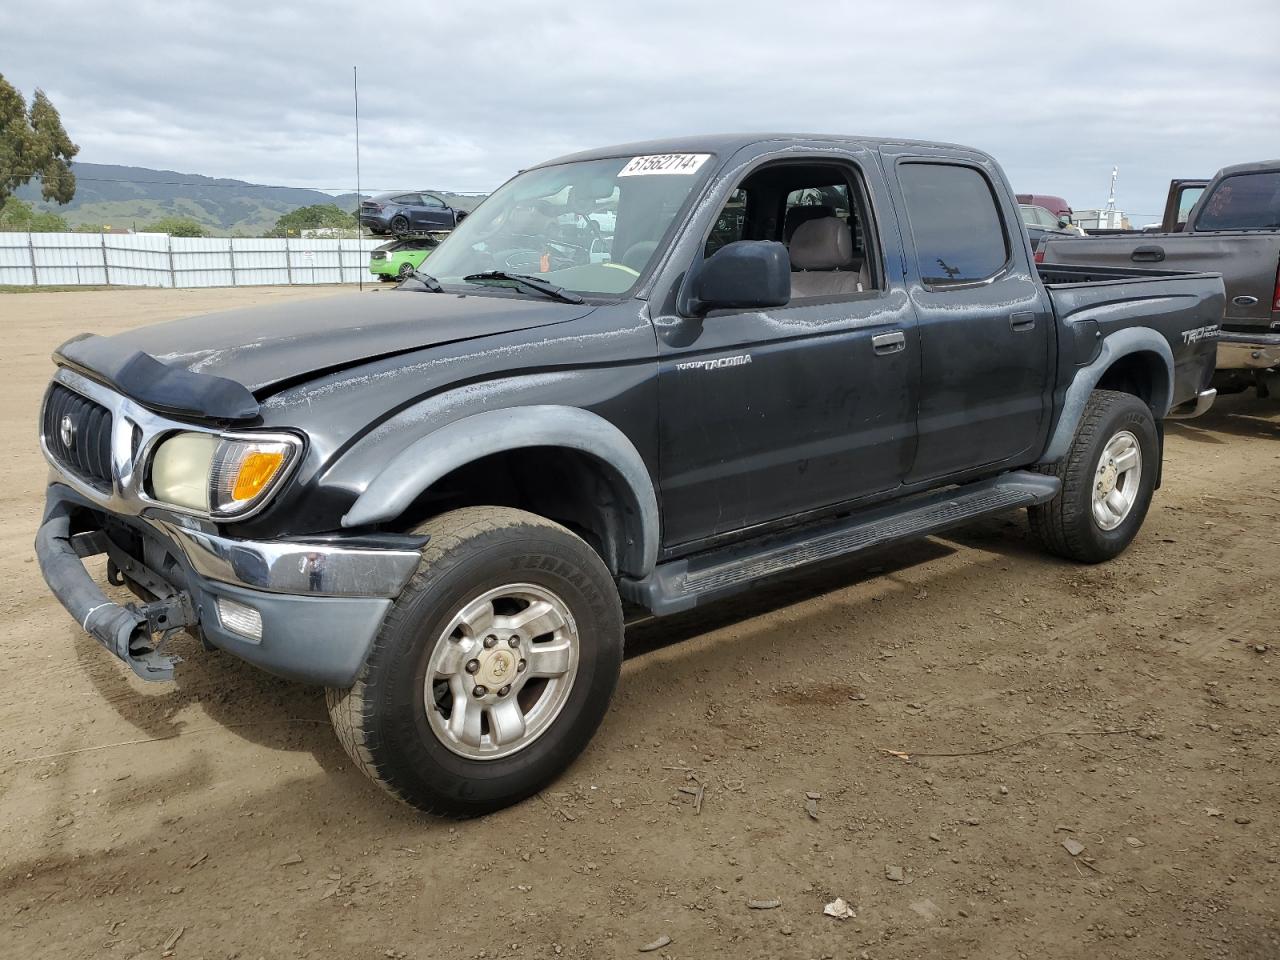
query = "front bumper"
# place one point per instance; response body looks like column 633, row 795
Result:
column 320, row 602
column 1248, row 351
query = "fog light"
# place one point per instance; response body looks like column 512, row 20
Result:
column 241, row 618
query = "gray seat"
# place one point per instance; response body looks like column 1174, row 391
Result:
column 798, row 216
column 822, row 261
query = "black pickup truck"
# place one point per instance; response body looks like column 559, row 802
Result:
column 435, row 500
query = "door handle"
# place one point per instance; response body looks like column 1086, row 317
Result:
column 1148, row 254
column 1022, row 321
column 886, row 343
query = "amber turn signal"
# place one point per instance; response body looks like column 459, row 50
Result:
column 256, row 471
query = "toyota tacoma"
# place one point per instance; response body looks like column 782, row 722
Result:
column 435, row 500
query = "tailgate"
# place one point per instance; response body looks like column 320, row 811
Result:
column 1248, row 263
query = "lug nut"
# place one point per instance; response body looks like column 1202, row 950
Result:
column 521, row 665
column 505, row 690
column 479, row 691
column 490, row 642
column 473, row 666
column 513, row 641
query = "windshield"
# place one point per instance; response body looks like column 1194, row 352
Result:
column 1247, row 201
column 591, row 227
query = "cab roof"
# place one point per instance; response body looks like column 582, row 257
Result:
column 725, row 144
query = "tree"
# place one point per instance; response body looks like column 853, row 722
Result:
column 34, row 144
column 15, row 214
column 18, row 215
column 178, row 227
column 314, row 217
column 49, row 222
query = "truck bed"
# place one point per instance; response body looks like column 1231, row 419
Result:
column 1091, row 303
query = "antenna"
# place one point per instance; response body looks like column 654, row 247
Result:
column 355, row 92
column 1110, row 212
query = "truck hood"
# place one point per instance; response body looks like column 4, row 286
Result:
column 266, row 347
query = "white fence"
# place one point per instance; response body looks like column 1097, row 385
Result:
column 159, row 260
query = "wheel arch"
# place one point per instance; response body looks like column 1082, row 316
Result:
column 1136, row 360
column 588, row 449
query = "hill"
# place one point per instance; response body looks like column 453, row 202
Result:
column 127, row 196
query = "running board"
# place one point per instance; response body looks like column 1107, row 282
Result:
column 683, row 584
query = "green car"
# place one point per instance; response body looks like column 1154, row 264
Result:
column 397, row 259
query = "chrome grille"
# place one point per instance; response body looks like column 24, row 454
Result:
column 77, row 433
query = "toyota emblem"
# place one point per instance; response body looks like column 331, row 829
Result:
column 67, row 432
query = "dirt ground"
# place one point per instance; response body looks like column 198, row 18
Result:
column 1131, row 708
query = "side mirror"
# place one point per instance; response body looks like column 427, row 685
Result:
column 1063, row 223
column 459, row 216
column 739, row 276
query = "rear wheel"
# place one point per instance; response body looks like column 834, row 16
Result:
column 1108, row 477
column 493, row 669
column 405, row 270
column 399, row 224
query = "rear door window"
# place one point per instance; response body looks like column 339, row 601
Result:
column 955, row 222
column 1246, row 201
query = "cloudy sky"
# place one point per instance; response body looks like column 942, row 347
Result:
column 460, row 95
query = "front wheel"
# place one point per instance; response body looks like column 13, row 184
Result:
column 1108, row 477
column 493, row 669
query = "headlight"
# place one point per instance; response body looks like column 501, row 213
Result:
column 218, row 475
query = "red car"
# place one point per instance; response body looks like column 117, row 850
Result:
column 1055, row 205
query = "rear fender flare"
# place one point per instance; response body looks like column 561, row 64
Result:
column 1122, row 343
column 432, row 456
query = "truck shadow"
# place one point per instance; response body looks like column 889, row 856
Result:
column 1239, row 415
column 287, row 716
column 229, row 694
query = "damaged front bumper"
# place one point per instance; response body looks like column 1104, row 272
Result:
column 307, row 610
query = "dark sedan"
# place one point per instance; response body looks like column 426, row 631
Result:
column 401, row 213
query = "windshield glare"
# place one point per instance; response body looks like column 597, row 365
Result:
column 591, row 227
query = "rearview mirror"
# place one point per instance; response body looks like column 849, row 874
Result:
column 739, row 276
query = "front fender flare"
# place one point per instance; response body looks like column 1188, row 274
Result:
column 430, row 457
column 1116, row 345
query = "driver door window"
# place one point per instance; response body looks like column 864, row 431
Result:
column 818, row 203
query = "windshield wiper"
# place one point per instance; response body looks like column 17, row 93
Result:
column 532, row 283
column 427, row 280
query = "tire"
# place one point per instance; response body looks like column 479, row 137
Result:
column 399, row 224
column 383, row 721
column 404, row 271
column 1073, row 524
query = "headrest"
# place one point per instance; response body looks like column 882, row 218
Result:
column 799, row 215
column 824, row 244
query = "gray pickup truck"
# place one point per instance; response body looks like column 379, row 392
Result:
column 1233, row 229
column 434, row 500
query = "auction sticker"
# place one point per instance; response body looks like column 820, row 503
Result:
column 668, row 163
